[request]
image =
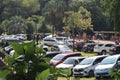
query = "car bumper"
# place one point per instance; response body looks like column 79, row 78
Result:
column 80, row 74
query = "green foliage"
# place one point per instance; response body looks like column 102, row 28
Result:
column 14, row 25
column 28, row 63
column 115, row 74
column 78, row 21
column 22, row 8
column 113, row 11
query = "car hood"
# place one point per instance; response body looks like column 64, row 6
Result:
column 104, row 66
column 55, row 62
column 64, row 65
column 81, row 66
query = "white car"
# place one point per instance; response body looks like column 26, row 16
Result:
column 102, row 48
column 70, row 42
column 86, row 67
column 104, row 68
column 61, row 48
column 49, row 41
column 70, row 62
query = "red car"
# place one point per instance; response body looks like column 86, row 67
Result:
column 59, row 58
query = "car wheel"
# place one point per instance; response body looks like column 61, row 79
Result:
column 97, row 77
column 103, row 52
column 91, row 73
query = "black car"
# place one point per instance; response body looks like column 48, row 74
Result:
column 79, row 45
column 115, row 50
column 88, row 47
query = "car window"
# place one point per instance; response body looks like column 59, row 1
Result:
column 86, row 61
column 58, row 57
column 100, row 44
column 108, row 45
column 98, row 60
column 69, row 61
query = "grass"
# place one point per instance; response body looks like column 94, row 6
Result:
column 88, row 54
column 61, row 78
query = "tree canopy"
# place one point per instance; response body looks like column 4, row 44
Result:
column 53, row 13
column 113, row 11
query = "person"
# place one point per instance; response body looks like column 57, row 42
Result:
column 37, row 39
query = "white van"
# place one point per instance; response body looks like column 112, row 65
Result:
column 86, row 67
column 103, row 69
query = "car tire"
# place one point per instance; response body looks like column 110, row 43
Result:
column 103, row 52
column 91, row 73
column 97, row 77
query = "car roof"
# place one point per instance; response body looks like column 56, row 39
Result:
column 76, row 57
column 115, row 56
column 69, row 53
column 99, row 56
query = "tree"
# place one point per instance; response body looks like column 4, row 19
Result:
column 79, row 21
column 99, row 20
column 113, row 11
column 22, row 8
column 14, row 25
column 54, row 12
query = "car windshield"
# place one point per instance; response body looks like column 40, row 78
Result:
column 86, row 61
column 69, row 61
column 58, row 57
column 108, row 60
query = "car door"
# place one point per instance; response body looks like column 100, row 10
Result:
column 107, row 47
column 96, row 62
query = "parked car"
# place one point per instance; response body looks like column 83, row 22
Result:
column 70, row 62
column 104, row 68
column 79, row 45
column 86, row 67
column 61, row 48
column 56, row 49
column 49, row 41
column 88, row 47
column 51, row 54
column 7, row 49
column 70, row 42
column 115, row 50
column 59, row 58
column 102, row 48
column 60, row 38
